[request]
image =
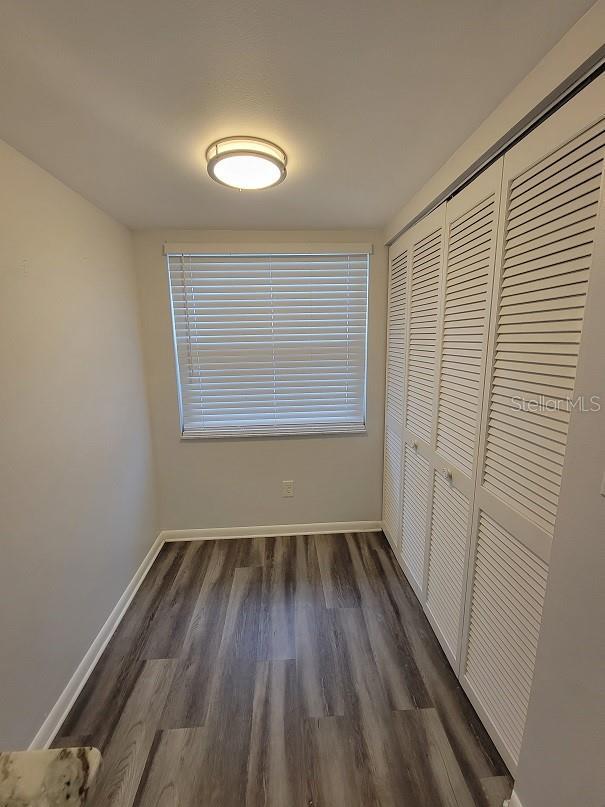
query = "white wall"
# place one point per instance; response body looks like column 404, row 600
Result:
column 76, row 492
column 562, row 757
column 236, row 482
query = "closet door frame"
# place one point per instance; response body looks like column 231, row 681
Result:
column 564, row 126
column 482, row 187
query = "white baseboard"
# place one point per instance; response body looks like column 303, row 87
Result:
column 269, row 531
column 60, row 710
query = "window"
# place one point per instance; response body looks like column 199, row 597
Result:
column 270, row 344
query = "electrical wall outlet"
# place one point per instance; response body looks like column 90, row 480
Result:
column 287, row 488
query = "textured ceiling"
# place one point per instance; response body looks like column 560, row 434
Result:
column 119, row 98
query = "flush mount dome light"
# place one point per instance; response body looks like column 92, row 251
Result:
column 246, row 163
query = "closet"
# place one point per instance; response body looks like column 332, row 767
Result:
column 485, row 310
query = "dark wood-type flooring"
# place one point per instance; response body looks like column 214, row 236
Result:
column 291, row 672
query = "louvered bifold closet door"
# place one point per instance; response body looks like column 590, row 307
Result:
column 551, row 194
column 394, row 392
column 425, row 258
column 470, row 248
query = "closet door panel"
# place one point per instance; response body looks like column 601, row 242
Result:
column 447, row 561
column 470, row 246
column 416, row 494
column 426, row 252
column 394, row 391
column 535, row 355
column 552, row 192
column 426, row 256
column 471, row 223
column 391, row 488
column 507, row 597
column 551, row 197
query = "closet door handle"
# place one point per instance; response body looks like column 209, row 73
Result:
column 448, row 474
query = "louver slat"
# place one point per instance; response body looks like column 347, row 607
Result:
column 547, row 254
column 394, row 397
column 506, row 610
column 424, row 304
column 464, row 322
column 447, row 559
column 416, row 480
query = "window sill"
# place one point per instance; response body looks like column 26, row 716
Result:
column 291, row 431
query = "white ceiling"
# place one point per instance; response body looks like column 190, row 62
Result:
column 119, row 98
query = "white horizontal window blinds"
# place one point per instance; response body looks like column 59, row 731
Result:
column 270, row 344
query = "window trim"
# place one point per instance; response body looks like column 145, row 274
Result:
column 174, row 249
column 181, row 250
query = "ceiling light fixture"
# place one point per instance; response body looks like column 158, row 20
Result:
column 246, row 163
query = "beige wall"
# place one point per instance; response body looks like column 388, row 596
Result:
column 236, row 482
column 76, row 498
column 561, row 761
